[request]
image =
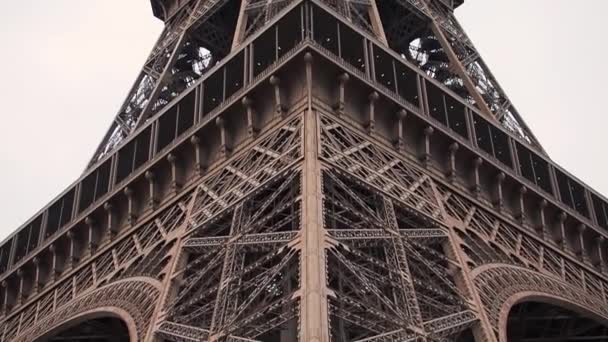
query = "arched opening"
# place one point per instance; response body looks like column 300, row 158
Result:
column 534, row 321
column 102, row 329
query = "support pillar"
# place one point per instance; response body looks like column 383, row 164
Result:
column 314, row 317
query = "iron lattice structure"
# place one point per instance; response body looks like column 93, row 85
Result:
column 307, row 170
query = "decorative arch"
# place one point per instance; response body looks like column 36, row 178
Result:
column 531, row 296
column 502, row 286
column 101, row 312
column 132, row 300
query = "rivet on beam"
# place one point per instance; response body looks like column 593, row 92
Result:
column 131, row 217
column 426, row 154
column 561, row 239
column 400, row 142
column 175, row 182
column 152, row 200
column 522, row 204
column 224, row 148
column 92, row 235
column 252, row 129
column 476, row 184
column 370, row 125
column 341, row 103
column 499, row 202
column 280, row 107
column 199, row 165
column 112, row 230
column 451, row 174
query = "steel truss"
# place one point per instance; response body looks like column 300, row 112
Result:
column 293, row 220
column 196, row 37
column 179, row 57
column 147, row 251
column 193, row 39
column 383, row 254
column 467, row 68
column 243, row 286
column 240, row 278
column 230, row 252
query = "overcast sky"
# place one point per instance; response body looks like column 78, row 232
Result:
column 67, row 65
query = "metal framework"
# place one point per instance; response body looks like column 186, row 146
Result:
column 308, row 170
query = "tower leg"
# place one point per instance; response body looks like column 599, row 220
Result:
column 314, row 319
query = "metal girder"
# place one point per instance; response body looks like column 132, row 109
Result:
column 430, row 234
column 406, row 278
column 347, row 149
column 181, row 332
column 237, row 285
column 197, row 244
column 448, row 325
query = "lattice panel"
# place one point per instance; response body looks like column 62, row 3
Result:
column 241, row 272
column 269, row 157
column 144, row 252
column 387, row 268
column 351, row 152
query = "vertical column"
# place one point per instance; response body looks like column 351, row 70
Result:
column 407, row 282
column 400, row 141
column 280, row 107
column 199, row 158
column 176, row 183
column 221, row 312
column 241, row 24
column 314, row 316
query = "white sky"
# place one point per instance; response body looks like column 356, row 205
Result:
column 67, row 65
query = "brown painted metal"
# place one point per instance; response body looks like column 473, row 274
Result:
column 313, row 185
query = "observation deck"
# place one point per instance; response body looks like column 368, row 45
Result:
column 165, row 9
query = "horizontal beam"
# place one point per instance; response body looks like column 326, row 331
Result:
column 198, row 244
column 372, row 234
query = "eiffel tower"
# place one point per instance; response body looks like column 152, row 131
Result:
column 313, row 170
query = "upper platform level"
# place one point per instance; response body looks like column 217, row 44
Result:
column 165, row 9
